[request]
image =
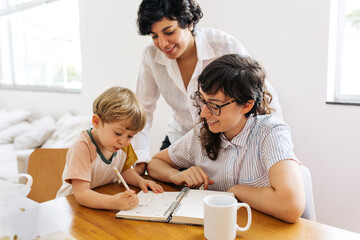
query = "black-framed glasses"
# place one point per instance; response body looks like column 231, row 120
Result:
column 213, row 107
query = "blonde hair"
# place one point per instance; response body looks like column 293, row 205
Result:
column 117, row 104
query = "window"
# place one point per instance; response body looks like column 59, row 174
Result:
column 344, row 52
column 40, row 45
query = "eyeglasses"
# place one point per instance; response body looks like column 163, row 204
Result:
column 213, row 107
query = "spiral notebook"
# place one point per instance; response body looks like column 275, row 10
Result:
column 184, row 207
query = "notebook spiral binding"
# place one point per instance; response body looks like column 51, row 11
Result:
column 175, row 205
column 187, row 190
column 177, row 208
column 183, row 193
column 172, row 207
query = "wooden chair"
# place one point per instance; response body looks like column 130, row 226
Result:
column 46, row 167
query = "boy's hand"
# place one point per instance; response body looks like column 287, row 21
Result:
column 125, row 200
column 151, row 184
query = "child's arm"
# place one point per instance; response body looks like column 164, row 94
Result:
column 133, row 178
column 89, row 198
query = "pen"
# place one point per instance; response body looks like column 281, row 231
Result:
column 121, row 178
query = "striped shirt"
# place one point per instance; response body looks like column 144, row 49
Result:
column 246, row 159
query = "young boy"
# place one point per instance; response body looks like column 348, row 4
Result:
column 90, row 161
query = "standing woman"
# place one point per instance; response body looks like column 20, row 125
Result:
column 171, row 64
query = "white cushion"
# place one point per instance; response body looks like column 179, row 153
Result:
column 13, row 117
column 39, row 132
column 7, row 135
column 67, row 129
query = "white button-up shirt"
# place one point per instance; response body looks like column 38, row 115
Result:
column 161, row 75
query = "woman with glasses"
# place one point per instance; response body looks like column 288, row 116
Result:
column 238, row 146
column 172, row 62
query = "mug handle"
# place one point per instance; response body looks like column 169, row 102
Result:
column 239, row 205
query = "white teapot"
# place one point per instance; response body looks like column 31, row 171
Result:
column 11, row 186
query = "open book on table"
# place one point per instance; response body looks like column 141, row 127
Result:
column 185, row 207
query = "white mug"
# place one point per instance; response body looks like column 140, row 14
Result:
column 220, row 217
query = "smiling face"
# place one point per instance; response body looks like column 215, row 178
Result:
column 173, row 41
column 111, row 137
column 232, row 118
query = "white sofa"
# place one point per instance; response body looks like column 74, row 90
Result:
column 20, row 135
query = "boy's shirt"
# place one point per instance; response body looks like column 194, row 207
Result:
column 84, row 161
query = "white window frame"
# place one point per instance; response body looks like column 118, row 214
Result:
column 336, row 33
column 49, row 88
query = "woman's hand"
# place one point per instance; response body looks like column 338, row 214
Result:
column 144, row 184
column 193, row 177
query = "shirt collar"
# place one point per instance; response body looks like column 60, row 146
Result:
column 161, row 58
column 203, row 49
column 108, row 162
column 241, row 138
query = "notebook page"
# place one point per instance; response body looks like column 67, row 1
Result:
column 151, row 206
column 191, row 207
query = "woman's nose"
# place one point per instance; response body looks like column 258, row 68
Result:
column 163, row 42
column 205, row 112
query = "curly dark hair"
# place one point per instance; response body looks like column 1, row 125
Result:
column 238, row 77
column 186, row 12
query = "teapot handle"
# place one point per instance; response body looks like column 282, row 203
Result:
column 28, row 177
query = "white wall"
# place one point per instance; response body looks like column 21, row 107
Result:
column 288, row 37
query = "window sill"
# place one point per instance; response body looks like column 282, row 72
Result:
column 338, row 102
column 40, row 89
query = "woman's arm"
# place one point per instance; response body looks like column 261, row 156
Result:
column 140, row 168
column 163, row 169
column 89, row 198
column 284, row 199
column 148, row 93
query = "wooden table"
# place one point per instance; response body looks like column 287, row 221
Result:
column 67, row 216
